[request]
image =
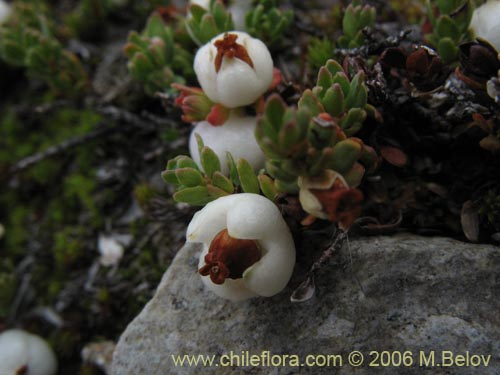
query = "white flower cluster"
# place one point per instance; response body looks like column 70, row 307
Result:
column 248, row 249
column 234, row 70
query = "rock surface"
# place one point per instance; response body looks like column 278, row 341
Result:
column 401, row 293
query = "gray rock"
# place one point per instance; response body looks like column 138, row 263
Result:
column 402, row 293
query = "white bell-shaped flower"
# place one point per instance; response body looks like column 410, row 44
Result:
column 485, row 22
column 236, row 136
column 234, row 69
column 248, row 249
column 24, row 353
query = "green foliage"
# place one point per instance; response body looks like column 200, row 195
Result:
column 199, row 187
column 205, row 24
column 27, row 40
column 267, row 22
column 343, row 99
column 89, row 19
column 450, row 27
column 298, row 142
column 319, row 51
column 356, row 18
column 69, row 247
column 155, row 58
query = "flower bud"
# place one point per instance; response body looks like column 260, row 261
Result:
column 234, row 69
column 248, row 249
column 235, row 136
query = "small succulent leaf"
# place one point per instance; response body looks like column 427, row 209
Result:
column 310, row 102
column 209, row 161
column 324, row 78
column 248, row 179
column 266, row 184
column 343, row 81
column 222, row 182
column 169, row 177
column 199, row 142
column 448, row 50
column 355, row 175
column 334, row 100
column 349, row 24
column 189, row 177
column 446, row 27
column 275, row 110
column 334, row 67
column 346, row 153
column 197, row 196
column 184, row 161
column 216, row 192
column 233, row 170
column 354, row 90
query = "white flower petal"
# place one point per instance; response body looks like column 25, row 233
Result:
column 41, row 358
column 485, row 22
column 236, row 136
column 13, row 351
column 272, row 272
column 19, row 348
column 209, row 221
column 253, row 217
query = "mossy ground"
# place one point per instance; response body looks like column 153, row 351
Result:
column 53, row 212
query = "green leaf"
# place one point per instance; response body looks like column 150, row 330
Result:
column 349, row 24
column 266, row 184
column 209, row 161
column 448, row 50
column 189, row 177
column 216, row 192
column 169, row 177
column 345, row 154
column 446, row 27
column 334, row 67
column 233, row 170
column 275, row 110
column 324, row 79
column 334, row 100
column 248, row 180
column 197, row 196
column 308, row 101
column 222, row 182
column 184, row 161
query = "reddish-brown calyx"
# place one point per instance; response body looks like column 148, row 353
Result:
column 227, row 47
column 342, row 204
column 229, row 257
